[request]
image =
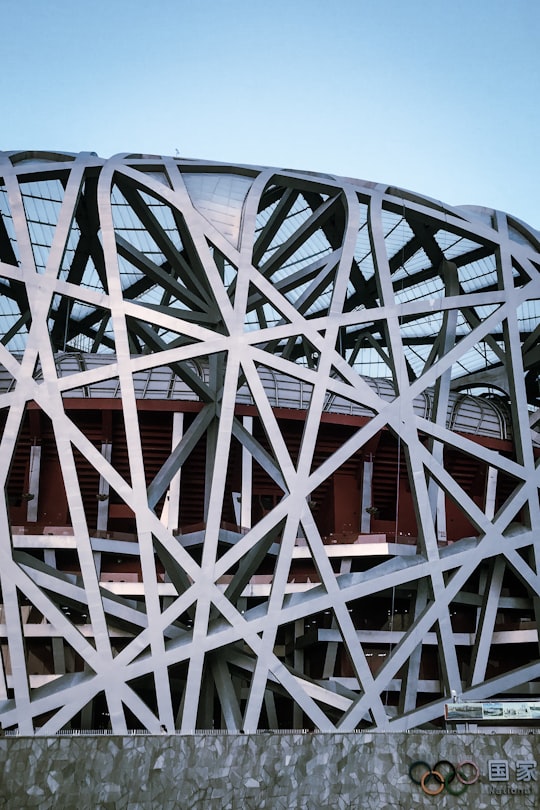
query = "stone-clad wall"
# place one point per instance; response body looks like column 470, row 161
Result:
column 291, row 771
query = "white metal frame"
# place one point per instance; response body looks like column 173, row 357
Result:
column 316, row 279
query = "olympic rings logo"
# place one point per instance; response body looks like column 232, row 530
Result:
column 433, row 780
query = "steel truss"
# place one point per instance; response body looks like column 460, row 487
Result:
column 222, row 275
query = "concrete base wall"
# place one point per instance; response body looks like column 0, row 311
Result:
column 368, row 771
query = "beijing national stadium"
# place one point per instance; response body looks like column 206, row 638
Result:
column 270, row 448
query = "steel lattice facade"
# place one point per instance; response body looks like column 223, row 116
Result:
column 269, row 447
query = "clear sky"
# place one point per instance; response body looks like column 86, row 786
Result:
column 438, row 96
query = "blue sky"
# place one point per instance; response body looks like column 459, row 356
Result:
column 438, row 96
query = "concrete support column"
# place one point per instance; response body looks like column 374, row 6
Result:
column 299, row 631
column 367, row 489
column 3, row 657
column 270, row 706
column 491, row 491
column 59, row 658
column 211, row 443
column 33, row 484
column 442, row 536
column 103, row 492
column 332, row 646
column 411, row 676
column 247, row 479
column 171, row 507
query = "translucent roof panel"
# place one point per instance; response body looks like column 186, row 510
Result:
column 478, row 274
column 319, row 268
column 454, row 245
column 42, row 202
column 220, row 198
column 128, row 225
column 5, row 213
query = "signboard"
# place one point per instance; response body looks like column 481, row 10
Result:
column 511, row 711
